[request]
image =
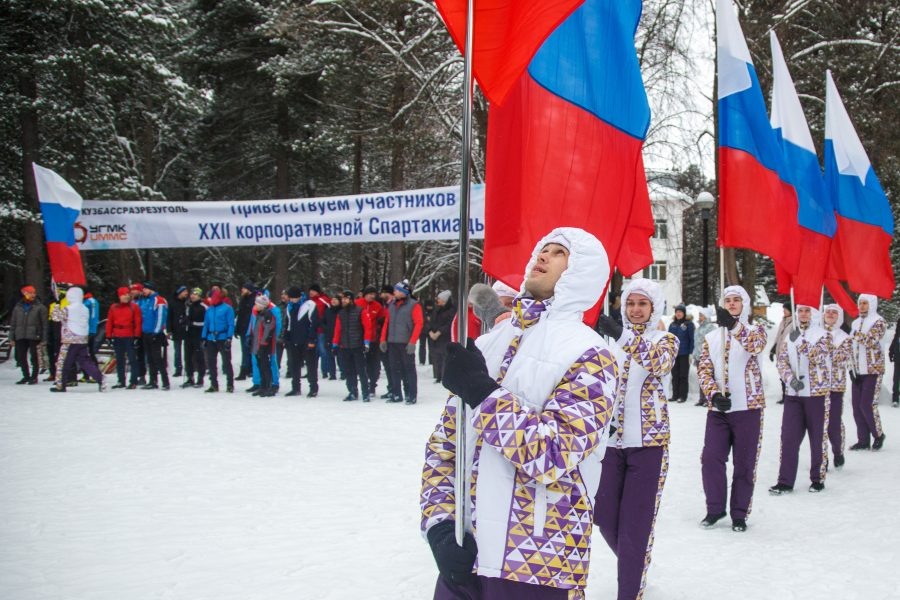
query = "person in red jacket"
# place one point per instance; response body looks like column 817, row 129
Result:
column 123, row 327
column 323, row 302
column 402, row 327
column 376, row 314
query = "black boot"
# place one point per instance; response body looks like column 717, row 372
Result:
column 242, row 375
column 878, row 443
column 710, row 519
column 779, row 489
column 188, row 383
column 739, row 525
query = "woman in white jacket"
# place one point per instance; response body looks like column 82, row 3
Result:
column 867, row 366
column 637, row 459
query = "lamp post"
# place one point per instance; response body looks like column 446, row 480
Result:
column 705, row 202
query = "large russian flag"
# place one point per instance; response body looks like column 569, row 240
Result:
column 815, row 215
column 757, row 207
column 564, row 147
column 60, row 207
column 865, row 225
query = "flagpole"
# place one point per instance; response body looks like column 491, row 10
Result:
column 463, row 268
column 724, row 386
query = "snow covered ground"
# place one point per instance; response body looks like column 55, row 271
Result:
column 135, row 495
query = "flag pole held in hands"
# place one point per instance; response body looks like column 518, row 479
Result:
column 462, row 307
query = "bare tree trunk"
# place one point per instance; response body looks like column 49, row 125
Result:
column 282, row 190
column 356, row 249
column 731, row 273
column 398, row 165
column 34, row 234
column 749, row 262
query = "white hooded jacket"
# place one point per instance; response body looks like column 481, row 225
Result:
column 536, row 443
column 645, row 356
column 75, row 318
column 742, row 376
column 867, row 333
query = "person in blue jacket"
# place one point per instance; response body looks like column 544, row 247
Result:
column 218, row 330
column 154, row 316
column 93, row 322
column 682, row 328
column 257, row 381
column 300, row 341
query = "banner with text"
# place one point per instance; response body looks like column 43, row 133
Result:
column 410, row 216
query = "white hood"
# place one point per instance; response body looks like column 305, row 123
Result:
column 78, row 313
column 649, row 289
column 864, row 324
column 580, row 285
column 736, row 290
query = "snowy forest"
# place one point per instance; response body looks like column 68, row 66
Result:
column 249, row 99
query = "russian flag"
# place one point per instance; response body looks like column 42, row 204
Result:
column 60, row 207
column 564, row 147
column 815, row 215
column 757, row 207
column 865, row 225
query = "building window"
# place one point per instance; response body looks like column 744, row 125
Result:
column 660, row 229
column 656, row 271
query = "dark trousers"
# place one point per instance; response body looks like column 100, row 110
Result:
column 140, row 356
column 24, row 350
column 680, row 377
column 373, row 366
column 194, row 358
column 895, row 389
column 355, row 368
column 264, row 360
column 308, row 357
column 124, row 347
column 438, row 353
column 279, row 352
column 836, row 423
column 179, row 345
column 738, row 433
column 323, row 347
column 154, row 345
column 493, row 588
column 864, row 396
column 803, row 416
column 214, row 349
column 76, row 356
column 53, row 348
column 246, row 365
column 631, row 485
column 423, row 348
column 403, row 368
column 388, row 374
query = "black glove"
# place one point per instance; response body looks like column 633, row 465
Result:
column 795, row 333
column 724, row 318
column 772, row 355
column 454, row 562
column 853, row 376
column 466, row 375
column 796, row 383
column 609, row 327
column 722, row 401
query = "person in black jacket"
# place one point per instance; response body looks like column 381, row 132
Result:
column 353, row 336
column 299, row 332
column 194, row 358
column 242, row 323
column 893, row 353
column 683, row 329
column 439, row 332
column 329, row 321
column 177, row 325
column 424, row 346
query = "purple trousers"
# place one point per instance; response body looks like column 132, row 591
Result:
column 803, row 416
column 739, row 433
column 864, row 394
column 836, row 423
column 72, row 355
column 492, row 588
column 625, row 508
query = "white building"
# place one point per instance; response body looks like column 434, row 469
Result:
column 668, row 237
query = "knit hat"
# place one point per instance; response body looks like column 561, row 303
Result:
column 348, row 294
column 197, row 292
column 137, row 287
column 681, row 307
column 386, row 289
column 122, row 291
column 181, row 288
column 262, row 301
column 315, row 287
column 370, row 289
column 294, row 292
column 402, row 287
column 28, row 289
column 149, row 285
column 444, row 296
column 249, row 285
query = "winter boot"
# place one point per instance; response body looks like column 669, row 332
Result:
column 212, row 389
column 177, row 373
column 188, row 383
column 739, row 525
column 119, row 386
column 293, row 393
column 312, row 393
column 878, row 443
column 710, row 519
column 859, row 446
column 838, row 461
column 150, row 386
column 199, row 383
column 23, row 381
column 252, row 389
column 816, row 487
column 56, row 388
column 410, row 399
column 242, row 375
column 230, row 388
column 350, row 398
column 780, row 489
